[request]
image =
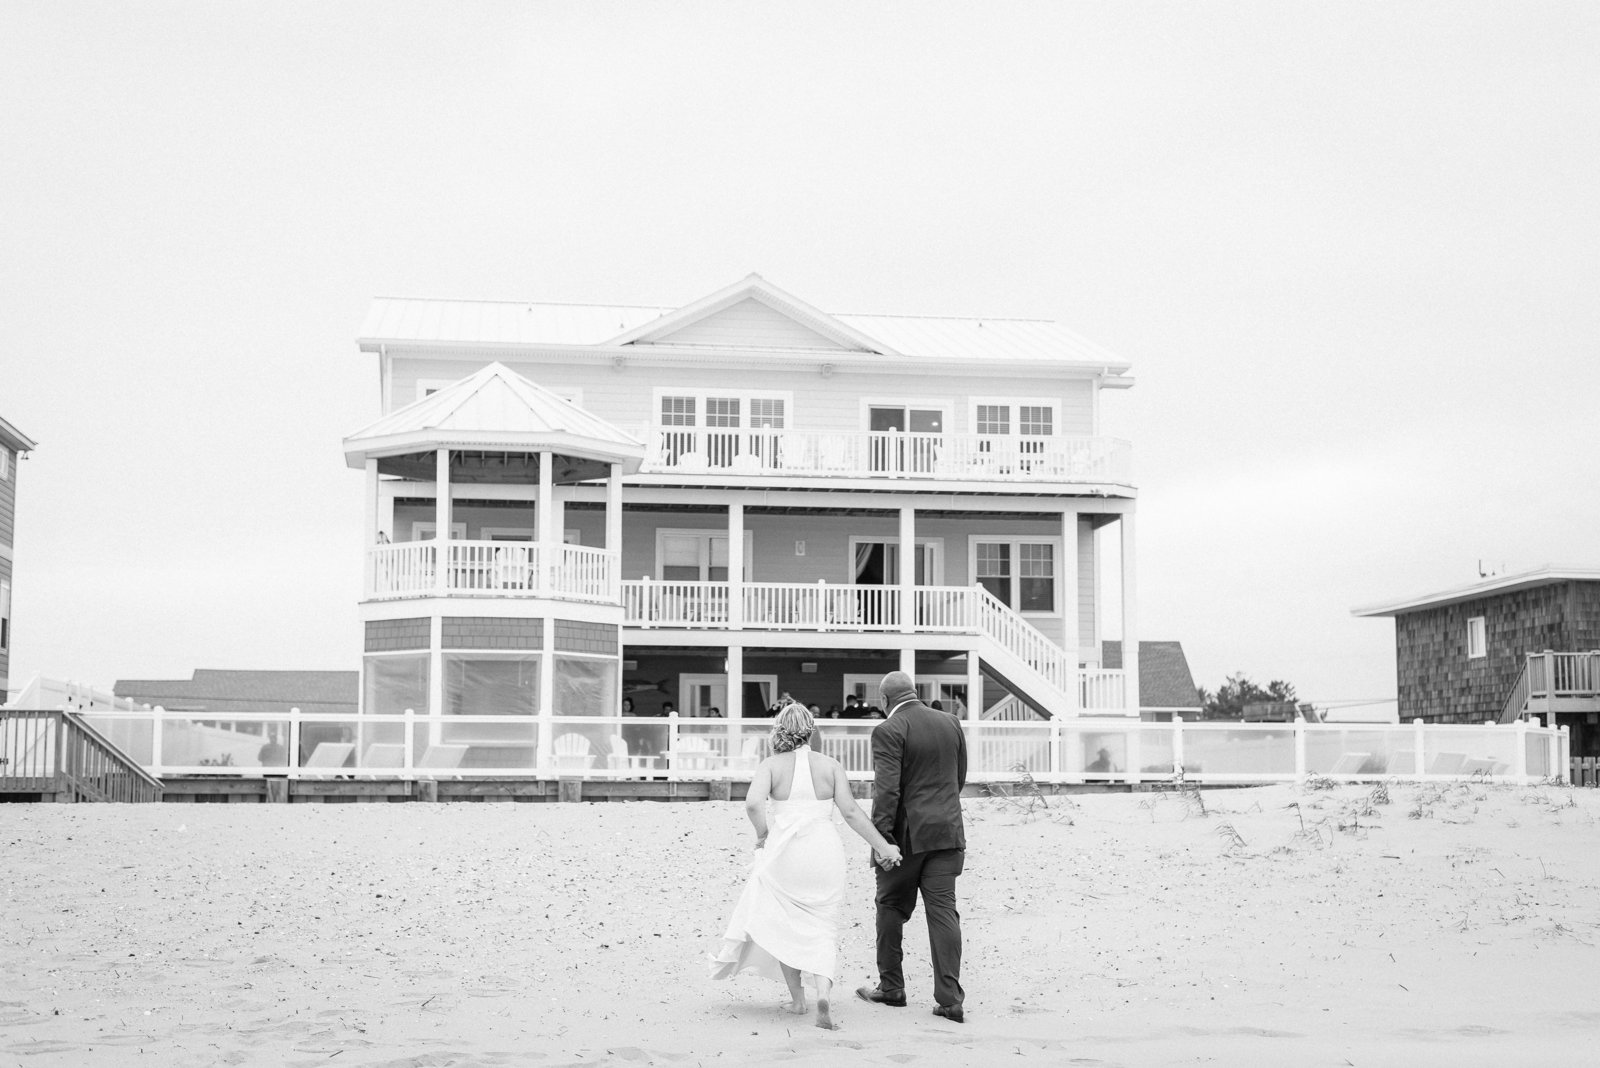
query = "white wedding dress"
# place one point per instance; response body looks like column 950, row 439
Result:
column 788, row 911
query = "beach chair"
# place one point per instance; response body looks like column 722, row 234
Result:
column 749, row 755
column 620, row 759
column 329, row 755
column 573, row 752
column 693, row 463
column 442, row 757
column 1446, row 763
column 384, row 755
column 694, row 754
column 746, row 463
column 1350, row 764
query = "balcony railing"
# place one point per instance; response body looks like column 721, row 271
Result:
column 494, row 569
column 822, row 607
column 885, row 454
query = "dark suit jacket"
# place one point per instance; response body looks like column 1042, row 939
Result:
column 919, row 763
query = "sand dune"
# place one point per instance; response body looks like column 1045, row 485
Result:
column 1454, row 925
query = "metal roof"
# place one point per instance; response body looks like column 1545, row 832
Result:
column 14, row 438
column 1547, row 575
column 495, row 406
column 400, row 320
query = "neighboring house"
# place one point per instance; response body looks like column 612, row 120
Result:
column 1166, row 686
column 651, row 502
column 1503, row 647
column 12, row 445
column 240, row 693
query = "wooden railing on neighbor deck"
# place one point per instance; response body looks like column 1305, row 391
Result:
column 56, row 753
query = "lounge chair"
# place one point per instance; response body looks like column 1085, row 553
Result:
column 329, row 755
column 1350, row 764
column 384, row 755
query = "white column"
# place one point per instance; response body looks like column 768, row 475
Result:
column 735, row 569
column 441, row 521
column 735, row 709
column 908, row 663
column 1071, row 605
column 435, row 666
column 908, row 573
column 974, row 685
column 1130, row 616
column 547, row 693
column 614, row 528
column 546, row 532
column 373, row 529
column 614, row 513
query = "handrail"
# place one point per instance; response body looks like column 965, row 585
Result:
column 51, row 751
column 766, row 451
column 494, row 568
column 677, row 749
column 1517, row 698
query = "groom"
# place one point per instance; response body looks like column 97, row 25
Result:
column 919, row 760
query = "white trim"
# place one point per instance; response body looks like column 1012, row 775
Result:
column 1543, row 576
column 706, row 535
column 944, row 405
column 1013, row 420
column 936, row 559
column 1016, row 560
column 430, row 527
column 5, row 464
column 1477, row 638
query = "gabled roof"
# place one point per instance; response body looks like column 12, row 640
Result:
column 751, row 287
column 621, row 329
column 213, row 690
column 494, row 408
column 14, row 438
column 1164, row 678
column 1548, row 575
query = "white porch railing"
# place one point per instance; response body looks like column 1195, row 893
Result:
column 495, row 568
column 651, row 603
column 413, row 746
column 884, row 454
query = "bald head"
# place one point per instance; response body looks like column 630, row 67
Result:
column 896, row 687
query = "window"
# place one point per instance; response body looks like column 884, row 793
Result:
column 1020, row 574
column 721, row 430
column 697, row 555
column 994, row 419
column 5, row 464
column 5, row 615
column 1035, row 421
column 1477, row 638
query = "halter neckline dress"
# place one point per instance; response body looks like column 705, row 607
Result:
column 788, row 911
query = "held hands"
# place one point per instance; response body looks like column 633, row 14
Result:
column 887, row 858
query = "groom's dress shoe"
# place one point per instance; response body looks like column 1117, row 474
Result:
column 881, row 997
column 952, row 1013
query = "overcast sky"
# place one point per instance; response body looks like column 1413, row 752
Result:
column 1350, row 249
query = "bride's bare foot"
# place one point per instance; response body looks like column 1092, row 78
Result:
column 824, row 1018
column 797, row 991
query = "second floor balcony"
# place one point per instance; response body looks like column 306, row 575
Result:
column 493, row 569
column 772, row 452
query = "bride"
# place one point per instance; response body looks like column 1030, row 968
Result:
column 785, row 924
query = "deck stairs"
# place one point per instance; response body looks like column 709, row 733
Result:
column 1552, row 682
column 53, row 755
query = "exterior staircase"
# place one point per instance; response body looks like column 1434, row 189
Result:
column 1551, row 682
column 56, row 756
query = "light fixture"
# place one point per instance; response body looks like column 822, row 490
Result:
column 809, row 667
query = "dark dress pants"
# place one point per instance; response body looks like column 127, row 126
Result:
column 934, row 874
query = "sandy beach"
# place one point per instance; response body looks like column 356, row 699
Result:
column 1453, row 925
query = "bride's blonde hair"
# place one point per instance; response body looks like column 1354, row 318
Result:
column 792, row 728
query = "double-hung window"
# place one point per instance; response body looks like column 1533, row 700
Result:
column 5, row 616
column 1020, row 574
column 1477, row 638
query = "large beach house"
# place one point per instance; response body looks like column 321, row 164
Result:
column 12, row 445
column 573, row 510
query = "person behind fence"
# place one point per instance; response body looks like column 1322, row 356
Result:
column 785, row 924
column 919, row 765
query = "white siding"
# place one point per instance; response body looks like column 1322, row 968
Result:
column 749, row 324
column 623, row 395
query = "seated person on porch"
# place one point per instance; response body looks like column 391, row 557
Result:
column 714, row 712
column 853, row 708
column 1101, row 762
